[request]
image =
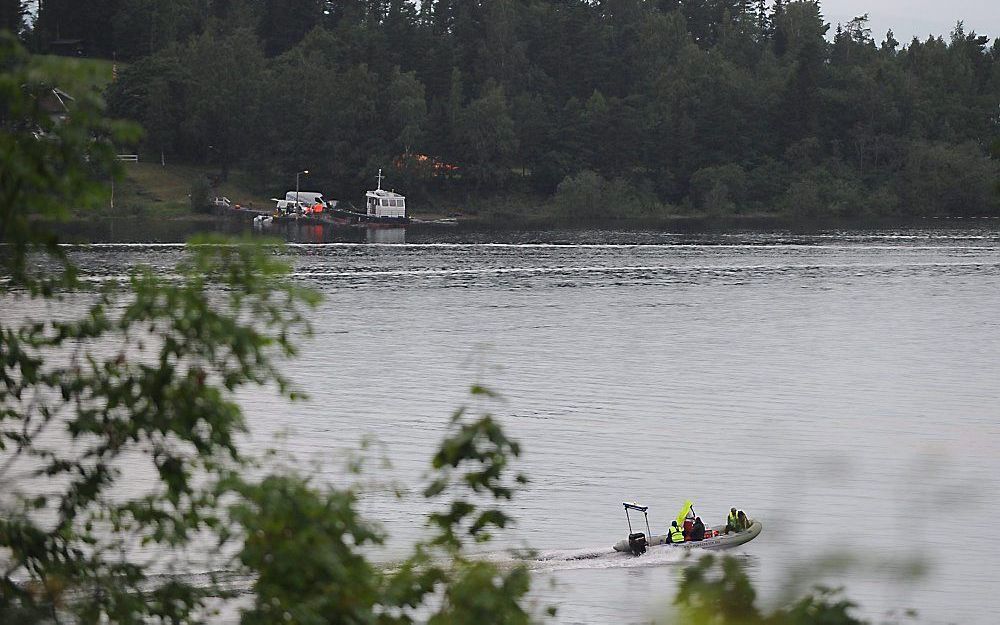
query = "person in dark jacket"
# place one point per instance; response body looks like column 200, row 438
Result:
column 698, row 530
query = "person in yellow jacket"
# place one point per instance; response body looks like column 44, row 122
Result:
column 675, row 535
column 732, row 522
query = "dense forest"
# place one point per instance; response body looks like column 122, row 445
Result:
column 631, row 108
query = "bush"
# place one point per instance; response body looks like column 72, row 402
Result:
column 719, row 189
column 938, row 178
column 201, row 195
column 821, row 192
column 589, row 197
column 583, row 196
column 765, row 184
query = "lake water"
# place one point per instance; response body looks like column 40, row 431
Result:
column 842, row 388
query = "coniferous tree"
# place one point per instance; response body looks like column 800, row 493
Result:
column 86, row 20
column 12, row 14
column 284, row 23
column 890, row 45
column 779, row 30
column 763, row 20
column 801, row 99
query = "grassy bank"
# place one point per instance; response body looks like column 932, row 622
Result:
column 153, row 190
column 74, row 75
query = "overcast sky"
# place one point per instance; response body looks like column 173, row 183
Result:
column 917, row 17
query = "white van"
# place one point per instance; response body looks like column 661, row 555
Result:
column 306, row 197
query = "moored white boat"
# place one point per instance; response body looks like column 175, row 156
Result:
column 384, row 206
column 381, row 207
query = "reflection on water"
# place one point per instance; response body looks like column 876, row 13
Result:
column 167, row 231
column 386, row 235
column 842, row 388
column 152, row 230
column 325, row 233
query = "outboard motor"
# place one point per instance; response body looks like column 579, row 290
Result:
column 637, row 543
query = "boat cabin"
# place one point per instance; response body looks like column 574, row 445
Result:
column 381, row 203
column 384, row 204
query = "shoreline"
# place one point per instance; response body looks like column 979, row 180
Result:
column 179, row 228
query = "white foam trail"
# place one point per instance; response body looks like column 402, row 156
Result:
column 626, row 268
column 615, row 246
column 115, row 245
column 610, row 246
column 595, row 558
column 610, row 559
column 677, row 269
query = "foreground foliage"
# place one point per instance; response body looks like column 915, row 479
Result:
column 308, row 545
column 717, row 591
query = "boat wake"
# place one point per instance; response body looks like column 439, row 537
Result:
column 596, row 558
column 234, row 582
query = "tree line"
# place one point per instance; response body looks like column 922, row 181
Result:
column 617, row 107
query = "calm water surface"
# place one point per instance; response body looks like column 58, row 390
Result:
column 842, row 388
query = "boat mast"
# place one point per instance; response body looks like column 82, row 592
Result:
column 380, row 176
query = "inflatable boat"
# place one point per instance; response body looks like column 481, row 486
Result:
column 715, row 537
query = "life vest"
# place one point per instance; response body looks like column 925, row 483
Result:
column 676, row 535
column 734, row 522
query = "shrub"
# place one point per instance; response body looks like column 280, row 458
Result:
column 582, row 196
column 938, row 178
column 821, row 192
column 719, row 189
column 201, row 195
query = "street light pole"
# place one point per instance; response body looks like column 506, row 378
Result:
column 297, row 174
